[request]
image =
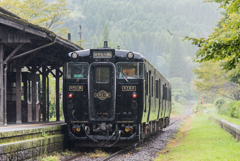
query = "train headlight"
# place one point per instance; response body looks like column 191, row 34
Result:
column 130, row 114
column 130, row 55
column 124, row 114
column 74, row 55
column 70, row 95
column 134, row 95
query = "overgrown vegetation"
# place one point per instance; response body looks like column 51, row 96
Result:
column 203, row 139
column 231, row 109
column 98, row 154
column 56, row 156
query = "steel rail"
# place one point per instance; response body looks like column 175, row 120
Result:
column 114, row 154
column 74, row 157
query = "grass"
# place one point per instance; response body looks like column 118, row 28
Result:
column 227, row 118
column 201, row 139
column 98, row 154
column 51, row 158
column 56, row 156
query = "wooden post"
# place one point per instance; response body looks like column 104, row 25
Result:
column 1, row 85
column 29, row 100
column 34, row 94
column 44, row 93
column 18, row 96
column 25, row 89
column 47, row 97
column 57, row 96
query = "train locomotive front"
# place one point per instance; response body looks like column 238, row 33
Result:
column 104, row 98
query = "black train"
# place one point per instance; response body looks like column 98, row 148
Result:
column 113, row 98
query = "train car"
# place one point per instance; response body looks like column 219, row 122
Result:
column 113, row 97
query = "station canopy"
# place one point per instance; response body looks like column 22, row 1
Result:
column 35, row 44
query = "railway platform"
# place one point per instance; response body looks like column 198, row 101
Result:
column 31, row 140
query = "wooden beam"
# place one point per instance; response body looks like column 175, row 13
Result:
column 13, row 53
column 28, row 60
column 18, row 96
column 22, row 27
column 57, row 96
column 50, row 71
column 1, row 85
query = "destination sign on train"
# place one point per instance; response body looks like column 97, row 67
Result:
column 102, row 54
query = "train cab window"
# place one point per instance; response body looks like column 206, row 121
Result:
column 157, row 90
column 102, row 74
column 130, row 70
column 77, row 70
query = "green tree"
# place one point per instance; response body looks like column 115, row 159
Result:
column 176, row 63
column 212, row 79
column 223, row 43
column 105, row 34
column 48, row 15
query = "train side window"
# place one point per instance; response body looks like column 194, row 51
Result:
column 163, row 92
column 157, row 90
column 152, row 86
column 167, row 94
column 141, row 70
column 146, row 86
column 102, row 75
column 150, row 82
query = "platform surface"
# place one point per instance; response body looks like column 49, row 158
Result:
column 16, row 127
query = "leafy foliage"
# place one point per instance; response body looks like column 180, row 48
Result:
column 223, row 43
column 212, row 79
column 219, row 103
column 48, row 15
column 231, row 109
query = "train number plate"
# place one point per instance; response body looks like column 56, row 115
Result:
column 75, row 88
column 129, row 88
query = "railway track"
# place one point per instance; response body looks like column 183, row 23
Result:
column 187, row 112
column 120, row 151
column 75, row 157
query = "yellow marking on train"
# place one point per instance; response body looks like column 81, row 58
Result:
column 128, row 88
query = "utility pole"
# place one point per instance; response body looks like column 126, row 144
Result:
column 80, row 34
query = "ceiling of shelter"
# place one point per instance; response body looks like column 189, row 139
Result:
column 15, row 31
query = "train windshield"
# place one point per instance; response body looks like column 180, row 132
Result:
column 77, row 70
column 130, row 70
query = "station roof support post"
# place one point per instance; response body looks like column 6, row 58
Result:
column 1, row 85
column 44, row 92
column 48, row 99
column 34, row 94
column 57, row 95
column 18, row 95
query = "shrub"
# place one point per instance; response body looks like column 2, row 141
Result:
column 234, row 109
column 219, row 103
